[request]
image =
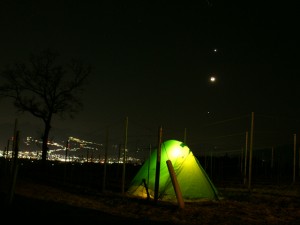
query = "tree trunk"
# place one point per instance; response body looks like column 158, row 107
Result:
column 45, row 142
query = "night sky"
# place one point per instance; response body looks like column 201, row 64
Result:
column 152, row 61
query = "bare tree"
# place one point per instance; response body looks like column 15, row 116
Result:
column 44, row 88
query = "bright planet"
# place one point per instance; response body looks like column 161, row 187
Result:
column 212, row 79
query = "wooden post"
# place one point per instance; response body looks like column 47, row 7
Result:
column 211, row 163
column 149, row 162
column 246, row 159
column 7, row 148
column 105, row 162
column 294, row 165
column 14, row 136
column 251, row 151
column 6, row 158
column 67, row 148
column 14, row 142
column 272, row 159
column 242, row 158
column 124, row 156
column 205, row 164
column 119, row 159
column 87, row 155
column 14, row 168
column 157, row 174
column 299, row 164
column 175, row 184
column 66, row 158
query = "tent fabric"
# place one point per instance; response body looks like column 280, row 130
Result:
column 193, row 181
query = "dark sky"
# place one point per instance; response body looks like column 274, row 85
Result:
column 152, row 61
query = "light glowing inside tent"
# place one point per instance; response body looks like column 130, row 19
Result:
column 178, row 152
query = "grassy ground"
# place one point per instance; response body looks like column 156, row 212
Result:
column 70, row 195
column 62, row 204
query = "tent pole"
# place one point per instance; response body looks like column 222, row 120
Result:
column 156, row 190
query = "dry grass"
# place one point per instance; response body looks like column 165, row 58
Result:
column 272, row 205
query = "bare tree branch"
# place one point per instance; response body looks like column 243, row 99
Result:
column 44, row 89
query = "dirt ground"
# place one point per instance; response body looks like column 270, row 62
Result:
column 47, row 204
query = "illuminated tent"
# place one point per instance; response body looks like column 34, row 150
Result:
column 193, row 181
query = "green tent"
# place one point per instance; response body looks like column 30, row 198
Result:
column 193, row 181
